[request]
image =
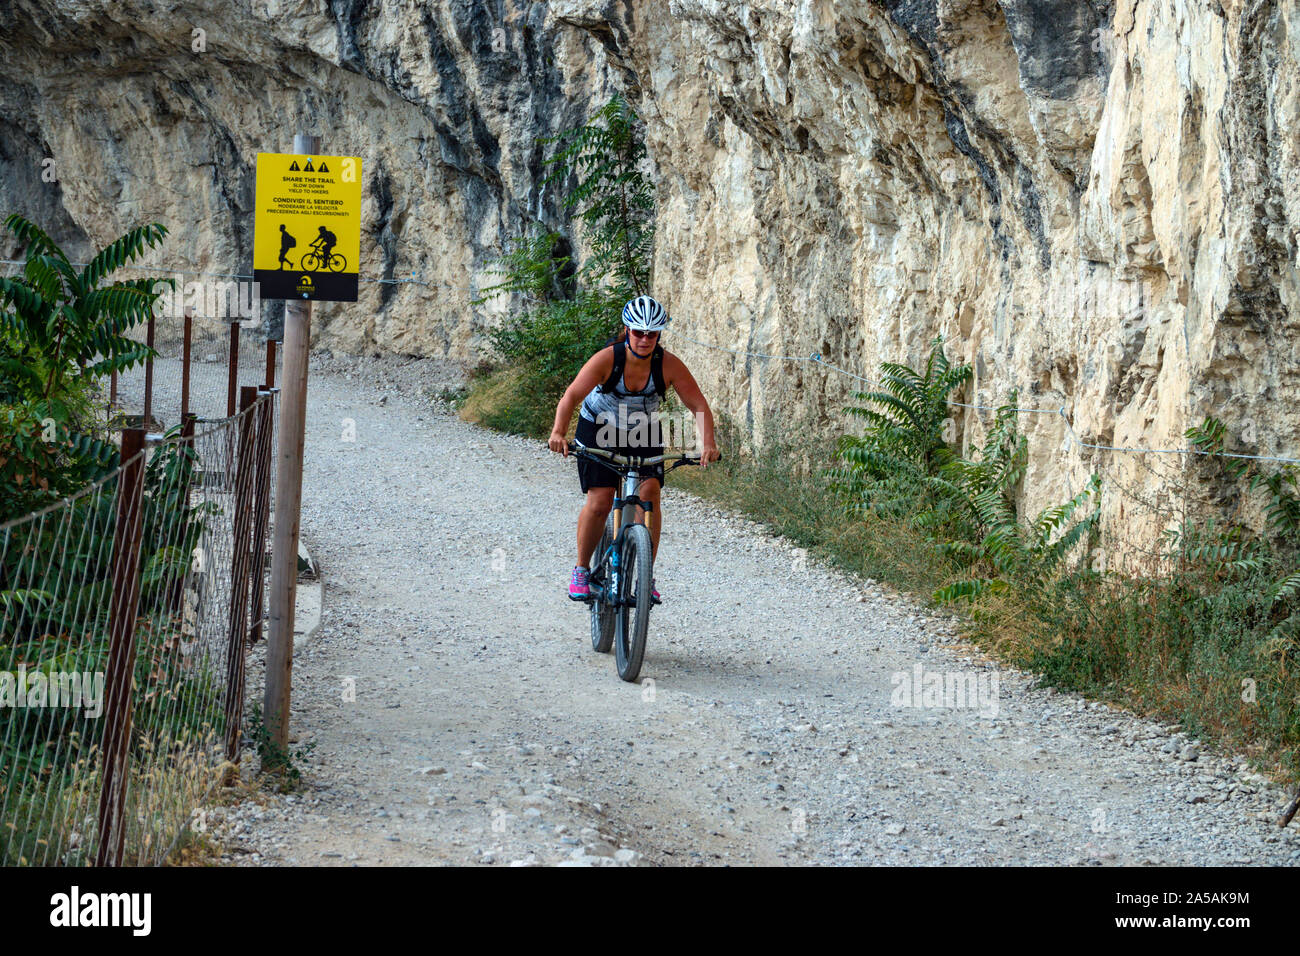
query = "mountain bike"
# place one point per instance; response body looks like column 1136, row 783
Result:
column 314, row 260
column 621, row 569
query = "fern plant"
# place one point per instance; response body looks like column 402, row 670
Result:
column 985, row 488
column 1237, row 549
column 996, row 541
column 568, row 313
column 890, row 469
column 1028, row 556
column 533, row 268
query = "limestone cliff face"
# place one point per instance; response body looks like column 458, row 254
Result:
column 146, row 118
column 1094, row 201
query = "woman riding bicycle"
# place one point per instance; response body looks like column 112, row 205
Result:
column 619, row 414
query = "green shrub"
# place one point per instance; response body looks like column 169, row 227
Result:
column 568, row 314
column 61, row 330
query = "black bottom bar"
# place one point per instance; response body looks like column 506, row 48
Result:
column 308, row 286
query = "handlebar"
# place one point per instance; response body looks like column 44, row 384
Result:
column 633, row 461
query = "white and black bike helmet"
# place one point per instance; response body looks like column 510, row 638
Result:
column 645, row 315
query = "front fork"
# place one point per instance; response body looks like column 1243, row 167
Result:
column 630, row 499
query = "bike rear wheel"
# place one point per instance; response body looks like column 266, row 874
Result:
column 632, row 617
column 602, row 612
column 338, row 262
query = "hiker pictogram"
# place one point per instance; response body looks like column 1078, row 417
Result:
column 287, row 242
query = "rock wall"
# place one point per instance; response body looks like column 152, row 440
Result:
column 1095, row 201
column 147, row 118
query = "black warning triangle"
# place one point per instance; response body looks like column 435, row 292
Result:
column 308, row 168
column 293, row 167
column 322, row 168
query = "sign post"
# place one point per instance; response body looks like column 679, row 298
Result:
column 306, row 248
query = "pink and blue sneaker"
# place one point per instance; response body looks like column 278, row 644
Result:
column 578, row 588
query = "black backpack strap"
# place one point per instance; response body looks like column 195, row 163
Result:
column 620, row 357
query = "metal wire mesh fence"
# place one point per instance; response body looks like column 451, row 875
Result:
column 125, row 614
column 199, row 364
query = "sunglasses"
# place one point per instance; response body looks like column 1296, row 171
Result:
column 642, row 335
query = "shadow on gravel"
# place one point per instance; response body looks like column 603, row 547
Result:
column 693, row 671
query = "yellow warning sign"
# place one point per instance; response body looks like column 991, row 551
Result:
column 307, row 227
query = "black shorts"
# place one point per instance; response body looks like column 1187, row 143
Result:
column 594, row 475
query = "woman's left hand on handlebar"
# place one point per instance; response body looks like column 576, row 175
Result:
column 709, row 453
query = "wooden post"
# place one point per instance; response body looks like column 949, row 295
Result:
column 261, row 509
column 288, row 501
column 270, row 363
column 236, row 648
column 125, row 598
column 148, row 376
column 233, row 378
column 187, row 350
column 1290, row 811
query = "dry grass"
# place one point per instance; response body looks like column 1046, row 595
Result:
column 56, row 823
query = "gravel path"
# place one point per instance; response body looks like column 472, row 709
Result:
column 769, row 727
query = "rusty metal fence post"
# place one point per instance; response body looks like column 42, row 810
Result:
column 115, row 755
column 187, row 350
column 270, row 363
column 148, row 376
column 237, row 630
column 187, row 449
column 261, row 509
column 231, row 386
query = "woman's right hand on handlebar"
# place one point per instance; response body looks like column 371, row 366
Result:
column 559, row 444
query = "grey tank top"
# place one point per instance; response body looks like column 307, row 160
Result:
column 622, row 409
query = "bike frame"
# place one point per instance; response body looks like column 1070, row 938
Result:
column 624, row 508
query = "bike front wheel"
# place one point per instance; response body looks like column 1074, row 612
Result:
column 632, row 617
column 310, row 262
column 602, row 612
